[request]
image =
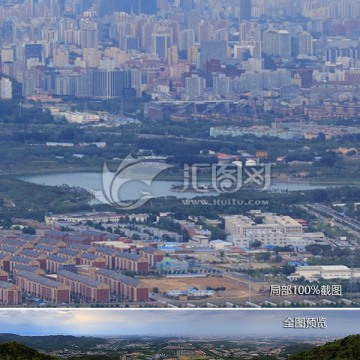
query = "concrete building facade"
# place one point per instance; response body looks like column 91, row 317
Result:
column 42, row 287
column 126, row 287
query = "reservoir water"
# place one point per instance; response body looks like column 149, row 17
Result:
column 92, row 181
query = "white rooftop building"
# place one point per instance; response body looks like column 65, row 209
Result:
column 274, row 230
column 326, row 272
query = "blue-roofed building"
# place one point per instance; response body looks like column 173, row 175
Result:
column 298, row 263
column 269, row 247
column 169, row 249
column 172, row 265
column 176, row 293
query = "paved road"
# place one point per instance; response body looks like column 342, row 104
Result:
column 349, row 224
column 342, row 219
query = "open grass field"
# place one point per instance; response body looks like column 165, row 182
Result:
column 233, row 288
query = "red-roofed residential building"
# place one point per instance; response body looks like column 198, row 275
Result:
column 10, row 294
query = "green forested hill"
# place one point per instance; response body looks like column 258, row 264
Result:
column 16, row 351
column 53, row 342
column 344, row 349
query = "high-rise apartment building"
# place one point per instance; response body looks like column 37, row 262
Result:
column 245, row 10
column 7, row 30
column 33, row 51
column 194, row 86
column 7, row 54
column 107, row 7
column 5, row 89
column 221, row 85
column 277, row 43
column 159, row 45
column 213, row 50
column 89, row 34
column 172, row 55
column 187, row 39
column 284, row 43
column 304, row 42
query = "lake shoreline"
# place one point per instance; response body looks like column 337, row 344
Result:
column 175, row 178
column 161, row 186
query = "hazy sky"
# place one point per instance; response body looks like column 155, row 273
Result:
column 171, row 322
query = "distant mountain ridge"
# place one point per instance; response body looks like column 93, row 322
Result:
column 12, row 347
column 347, row 348
column 16, row 351
column 53, row 342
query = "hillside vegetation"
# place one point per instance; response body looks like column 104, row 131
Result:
column 343, row 349
column 16, row 351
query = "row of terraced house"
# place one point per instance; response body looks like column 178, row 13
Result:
column 60, row 265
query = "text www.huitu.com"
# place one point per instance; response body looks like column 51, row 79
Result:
column 224, row 202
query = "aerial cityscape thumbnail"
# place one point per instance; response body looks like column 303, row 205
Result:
column 179, row 153
column 167, row 334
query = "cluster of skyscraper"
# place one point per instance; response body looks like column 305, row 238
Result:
column 104, row 48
